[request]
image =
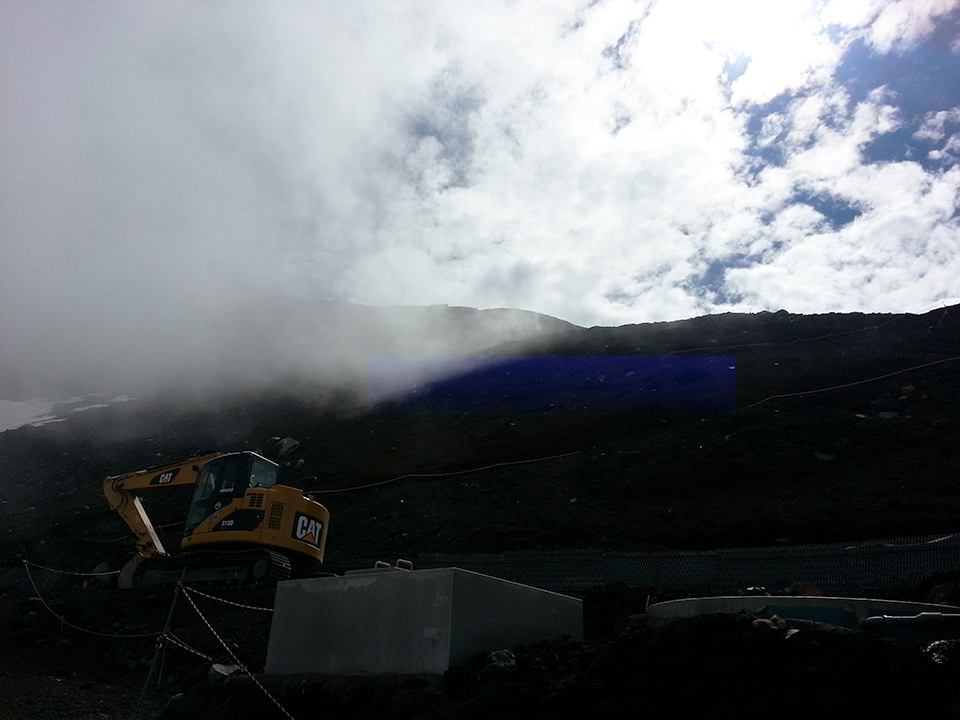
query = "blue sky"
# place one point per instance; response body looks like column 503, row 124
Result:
column 603, row 162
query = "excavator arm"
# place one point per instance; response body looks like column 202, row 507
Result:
column 123, row 493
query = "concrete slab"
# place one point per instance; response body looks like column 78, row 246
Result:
column 419, row 622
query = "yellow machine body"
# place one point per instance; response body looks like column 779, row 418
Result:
column 237, row 504
column 280, row 517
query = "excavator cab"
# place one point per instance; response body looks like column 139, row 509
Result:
column 238, row 502
column 225, row 480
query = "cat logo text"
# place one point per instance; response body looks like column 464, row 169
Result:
column 308, row 530
column 164, row 478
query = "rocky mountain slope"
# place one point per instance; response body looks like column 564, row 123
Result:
column 834, row 437
column 846, row 427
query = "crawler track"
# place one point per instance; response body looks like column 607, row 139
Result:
column 251, row 568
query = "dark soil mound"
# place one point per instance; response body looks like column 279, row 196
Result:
column 713, row 666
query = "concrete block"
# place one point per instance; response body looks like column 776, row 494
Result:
column 424, row 621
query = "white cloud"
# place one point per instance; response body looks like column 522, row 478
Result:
column 907, row 21
column 934, row 123
column 164, row 162
column 851, row 13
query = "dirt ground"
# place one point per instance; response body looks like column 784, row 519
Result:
column 834, row 438
column 715, row 666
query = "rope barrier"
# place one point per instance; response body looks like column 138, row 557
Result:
column 174, row 640
column 77, row 627
column 230, row 602
column 187, row 593
column 157, row 652
column 852, row 384
column 446, row 474
column 69, row 572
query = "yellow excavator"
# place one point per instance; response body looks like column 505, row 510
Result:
column 242, row 525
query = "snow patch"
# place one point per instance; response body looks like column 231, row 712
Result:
column 40, row 411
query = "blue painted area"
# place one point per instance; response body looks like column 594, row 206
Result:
column 662, row 386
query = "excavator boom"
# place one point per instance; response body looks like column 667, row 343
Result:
column 123, row 493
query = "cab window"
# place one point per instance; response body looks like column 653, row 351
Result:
column 262, row 475
column 231, row 469
column 207, row 486
column 207, row 483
